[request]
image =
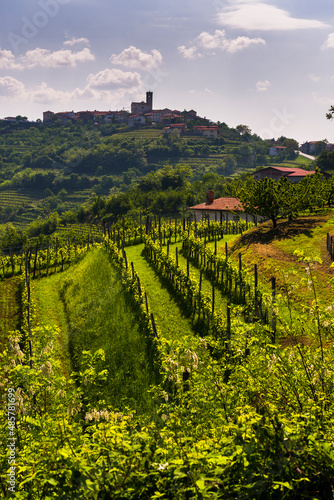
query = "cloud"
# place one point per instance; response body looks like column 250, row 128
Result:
column 327, row 101
column 257, row 15
column 11, row 87
column 59, row 59
column 75, row 41
column 45, row 94
column 190, row 53
column 8, row 61
column 329, row 43
column 110, row 84
column 314, row 78
column 109, row 78
column 44, row 58
column 135, row 58
column 218, row 41
column 262, row 86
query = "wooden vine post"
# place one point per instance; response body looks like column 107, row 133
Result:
column 273, row 317
column 27, row 276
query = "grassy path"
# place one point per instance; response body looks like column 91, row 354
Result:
column 165, row 308
column 50, row 311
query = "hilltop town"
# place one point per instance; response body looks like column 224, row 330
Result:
column 171, row 121
column 142, row 113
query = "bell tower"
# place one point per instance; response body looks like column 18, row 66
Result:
column 149, row 100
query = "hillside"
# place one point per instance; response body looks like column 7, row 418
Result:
column 162, row 368
column 44, row 169
column 283, row 251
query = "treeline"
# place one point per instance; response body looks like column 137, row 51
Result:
column 285, row 199
column 168, row 192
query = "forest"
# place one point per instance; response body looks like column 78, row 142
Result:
column 146, row 355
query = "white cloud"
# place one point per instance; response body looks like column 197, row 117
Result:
column 44, row 93
column 111, row 84
column 109, row 78
column 257, row 15
column 329, row 43
column 135, row 58
column 44, row 58
column 262, row 86
column 11, row 87
column 314, row 78
column 8, row 61
column 190, row 53
column 327, row 101
column 59, row 59
column 75, row 41
column 218, row 41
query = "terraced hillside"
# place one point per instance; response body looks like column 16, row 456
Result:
column 150, row 372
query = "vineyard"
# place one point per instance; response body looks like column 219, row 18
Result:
column 156, row 360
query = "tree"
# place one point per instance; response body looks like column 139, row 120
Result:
column 269, row 198
column 325, row 160
column 243, row 130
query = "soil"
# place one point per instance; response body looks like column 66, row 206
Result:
column 259, row 241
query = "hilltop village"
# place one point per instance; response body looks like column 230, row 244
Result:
column 171, row 121
column 142, row 113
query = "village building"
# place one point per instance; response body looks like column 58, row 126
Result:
column 275, row 150
column 220, row 210
column 209, row 132
column 143, row 107
column 136, row 120
column 180, row 128
column 308, row 148
column 276, row 173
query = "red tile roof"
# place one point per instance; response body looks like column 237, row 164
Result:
column 289, row 171
column 230, row 204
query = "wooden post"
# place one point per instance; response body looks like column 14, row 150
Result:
column 125, row 259
column 273, row 313
column 35, row 261
column 56, row 256
column 213, row 298
column 146, row 302
column 139, row 287
column 167, row 248
column 27, row 275
column 228, row 321
column 255, row 289
column 226, row 250
column 177, row 257
column 133, row 271
column 187, row 267
column 154, row 326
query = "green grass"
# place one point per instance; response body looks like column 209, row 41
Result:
column 99, row 315
column 311, row 242
column 167, row 313
column 50, row 311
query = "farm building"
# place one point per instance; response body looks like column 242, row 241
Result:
column 221, row 209
column 293, row 174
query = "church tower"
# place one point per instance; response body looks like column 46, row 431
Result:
column 149, row 100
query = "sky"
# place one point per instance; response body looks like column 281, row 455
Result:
column 267, row 64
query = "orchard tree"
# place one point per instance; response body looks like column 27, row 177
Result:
column 269, row 198
column 261, row 198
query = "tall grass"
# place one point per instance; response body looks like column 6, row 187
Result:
column 100, row 317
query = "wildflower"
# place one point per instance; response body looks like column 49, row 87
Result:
column 163, row 466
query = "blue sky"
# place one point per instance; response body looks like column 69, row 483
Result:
column 267, row 64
